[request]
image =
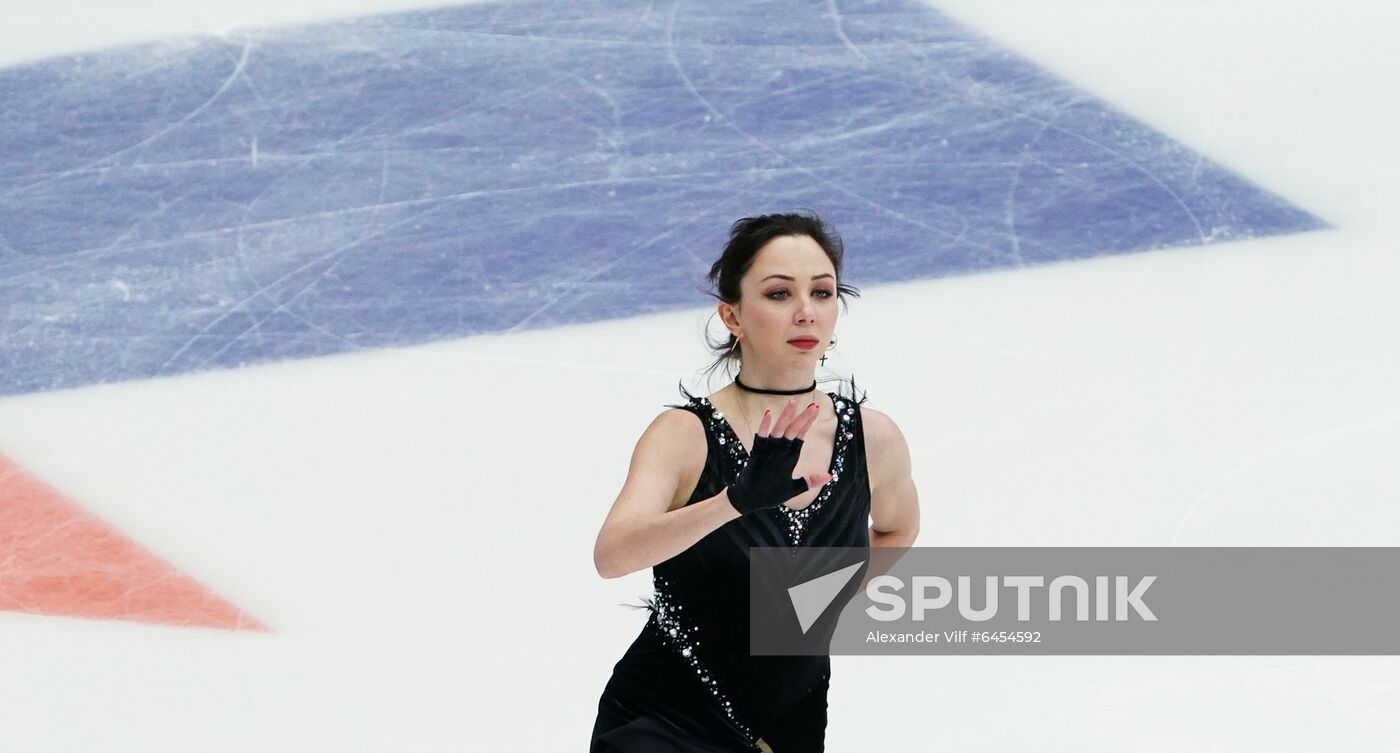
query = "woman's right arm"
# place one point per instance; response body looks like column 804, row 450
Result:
column 639, row 532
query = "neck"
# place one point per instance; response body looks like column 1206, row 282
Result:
column 757, row 402
column 785, row 380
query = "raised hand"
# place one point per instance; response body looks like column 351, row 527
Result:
column 767, row 481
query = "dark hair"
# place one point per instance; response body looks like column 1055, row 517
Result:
column 746, row 237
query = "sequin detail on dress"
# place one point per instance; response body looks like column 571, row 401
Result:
column 796, row 519
column 677, row 634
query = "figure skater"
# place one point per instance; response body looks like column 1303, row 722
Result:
column 771, row 461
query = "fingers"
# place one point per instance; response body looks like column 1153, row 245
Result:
column 778, row 422
column 770, row 420
column 780, row 426
column 805, row 421
column 792, row 423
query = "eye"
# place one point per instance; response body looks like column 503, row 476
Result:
column 774, row 295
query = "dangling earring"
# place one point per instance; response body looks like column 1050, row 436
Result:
column 828, row 350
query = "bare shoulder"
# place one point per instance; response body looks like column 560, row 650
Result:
column 672, row 439
column 894, row 499
column 668, row 459
column 886, row 450
column 881, row 432
column 677, row 429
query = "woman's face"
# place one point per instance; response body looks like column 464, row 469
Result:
column 788, row 292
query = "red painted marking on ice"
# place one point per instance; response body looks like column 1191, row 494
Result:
column 57, row 558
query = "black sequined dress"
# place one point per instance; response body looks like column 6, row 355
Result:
column 688, row 683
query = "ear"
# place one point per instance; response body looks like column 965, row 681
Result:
column 729, row 317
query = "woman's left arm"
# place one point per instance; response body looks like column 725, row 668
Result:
column 894, row 502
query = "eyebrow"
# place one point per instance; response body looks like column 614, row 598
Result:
column 789, row 277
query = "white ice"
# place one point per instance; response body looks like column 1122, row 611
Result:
column 416, row 526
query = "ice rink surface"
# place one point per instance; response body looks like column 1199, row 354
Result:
column 311, row 316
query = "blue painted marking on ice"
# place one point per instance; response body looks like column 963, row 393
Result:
column 282, row 193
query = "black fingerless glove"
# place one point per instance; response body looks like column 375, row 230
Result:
column 766, row 480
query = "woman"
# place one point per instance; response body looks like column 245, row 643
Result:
column 700, row 493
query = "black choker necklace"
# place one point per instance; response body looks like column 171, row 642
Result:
column 743, row 386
